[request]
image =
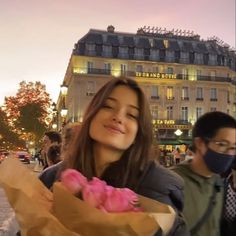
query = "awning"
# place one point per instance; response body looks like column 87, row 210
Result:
column 174, row 142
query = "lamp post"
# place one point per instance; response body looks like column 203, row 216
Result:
column 55, row 116
column 64, row 110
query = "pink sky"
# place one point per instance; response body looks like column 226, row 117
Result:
column 37, row 36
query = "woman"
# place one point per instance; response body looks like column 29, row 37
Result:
column 114, row 144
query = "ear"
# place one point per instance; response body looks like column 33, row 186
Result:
column 200, row 145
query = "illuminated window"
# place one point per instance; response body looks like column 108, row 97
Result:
column 170, row 93
column 166, row 43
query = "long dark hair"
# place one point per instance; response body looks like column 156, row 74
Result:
column 127, row 170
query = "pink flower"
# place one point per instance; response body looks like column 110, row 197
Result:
column 120, row 200
column 73, row 180
column 94, row 192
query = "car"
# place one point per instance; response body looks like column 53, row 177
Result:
column 3, row 155
column 23, row 156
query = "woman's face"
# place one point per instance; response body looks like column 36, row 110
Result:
column 116, row 123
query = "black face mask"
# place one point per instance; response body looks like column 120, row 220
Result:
column 234, row 164
column 218, row 162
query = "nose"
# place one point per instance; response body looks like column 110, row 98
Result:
column 117, row 117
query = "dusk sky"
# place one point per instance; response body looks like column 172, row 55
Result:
column 37, row 36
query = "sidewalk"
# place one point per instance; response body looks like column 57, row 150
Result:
column 8, row 223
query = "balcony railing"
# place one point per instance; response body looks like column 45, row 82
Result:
column 99, row 71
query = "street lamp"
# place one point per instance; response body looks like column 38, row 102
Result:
column 55, row 116
column 178, row 132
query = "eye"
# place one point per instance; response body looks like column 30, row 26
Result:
column 107, row 106
column 132, row 115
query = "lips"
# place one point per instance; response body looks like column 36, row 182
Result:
column 114, row 129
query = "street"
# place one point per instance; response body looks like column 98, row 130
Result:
column 8, row 224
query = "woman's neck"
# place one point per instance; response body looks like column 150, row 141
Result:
column 104, row 156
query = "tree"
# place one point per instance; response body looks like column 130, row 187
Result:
column 29, row 111
column 8, row 138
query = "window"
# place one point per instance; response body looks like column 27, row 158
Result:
column 139, row 68
column 90, row 66
column 154, row 111
column 170, row 70
column 184, row 113
column 154, row 92
column 199, row 73
column 185, row 93
column 91, row 88
column 123, row 69
column 213, row 109
column 199, row 112
column 170, row 93
column 107, row 68
column 213, row 74
column 185, row 74
column 169, row 113
column 166, row 43
column 199, row 93
column 155, row 69
column 213, row 94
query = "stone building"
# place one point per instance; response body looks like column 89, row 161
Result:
column 181, row 75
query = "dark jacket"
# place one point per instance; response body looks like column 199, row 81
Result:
column 162, row 184
column 157, row 183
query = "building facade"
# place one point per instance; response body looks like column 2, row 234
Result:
column 181, row 75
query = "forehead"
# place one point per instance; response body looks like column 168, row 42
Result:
column 46, row 139
column 228, row 134
column 125, row 95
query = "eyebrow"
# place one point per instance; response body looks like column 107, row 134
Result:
column 130, row 105
column 227, row 141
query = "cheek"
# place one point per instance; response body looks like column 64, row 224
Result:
column 133, row 130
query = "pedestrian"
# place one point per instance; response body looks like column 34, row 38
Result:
column 50, row 174
column 228, row 222
column 214, row 141
column 54, row 154
column 49, row 138
column 114, row 143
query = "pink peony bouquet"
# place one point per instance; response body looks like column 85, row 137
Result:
column 100, row 195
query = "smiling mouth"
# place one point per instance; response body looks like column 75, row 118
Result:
column 114, row 129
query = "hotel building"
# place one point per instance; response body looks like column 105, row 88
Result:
column 181, row 75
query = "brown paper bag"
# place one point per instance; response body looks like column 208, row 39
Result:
column 78, row 216
column 33, row 202
column 30, row 200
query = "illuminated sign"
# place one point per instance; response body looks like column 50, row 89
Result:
column 165, row 122
column 155, row 75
